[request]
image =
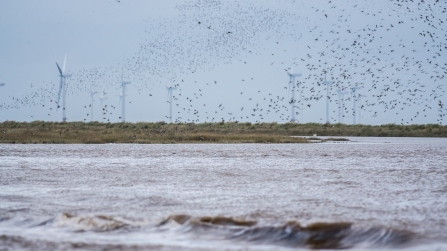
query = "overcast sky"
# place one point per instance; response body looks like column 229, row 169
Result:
column 228, row 59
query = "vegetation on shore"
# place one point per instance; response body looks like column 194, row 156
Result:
column 230, row 132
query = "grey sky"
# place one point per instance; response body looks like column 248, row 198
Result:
column 228, row 58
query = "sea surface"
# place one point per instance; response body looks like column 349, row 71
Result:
column 366, row 194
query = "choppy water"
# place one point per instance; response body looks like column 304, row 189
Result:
column 371, row 193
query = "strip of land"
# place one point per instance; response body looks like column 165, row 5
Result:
column 40, row 132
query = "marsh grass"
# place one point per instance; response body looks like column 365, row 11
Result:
column 163, row 133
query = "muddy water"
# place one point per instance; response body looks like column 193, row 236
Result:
column 370, row 193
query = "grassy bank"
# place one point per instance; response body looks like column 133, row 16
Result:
column 160, row 132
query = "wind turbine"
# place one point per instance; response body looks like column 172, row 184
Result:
column 62, row 88
column 292, row 89
column 328, row 83
column 170, row 89
column 91, row 104
column 353, row 91
column 123, row 97
column 360, row 109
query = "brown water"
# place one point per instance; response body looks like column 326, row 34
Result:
column 370, row 193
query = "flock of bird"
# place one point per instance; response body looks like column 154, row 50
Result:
column 393, row 50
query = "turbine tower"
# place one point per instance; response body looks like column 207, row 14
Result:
column 341, row 104
column 360, row 110
column 292, row 89
column 2, row 84
column 120, row 94
column 91, row 104
column 170, row 89
column 339, row 93
column 302, row 106
column 353, row 91
column 123, row 97
column 102, row 98
column 62, row 88
column 328, row 83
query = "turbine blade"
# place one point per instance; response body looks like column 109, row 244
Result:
column 63, row 67
column 60, row 71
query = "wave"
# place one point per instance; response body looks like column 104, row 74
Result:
column 97, row 223
column 322, row 235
